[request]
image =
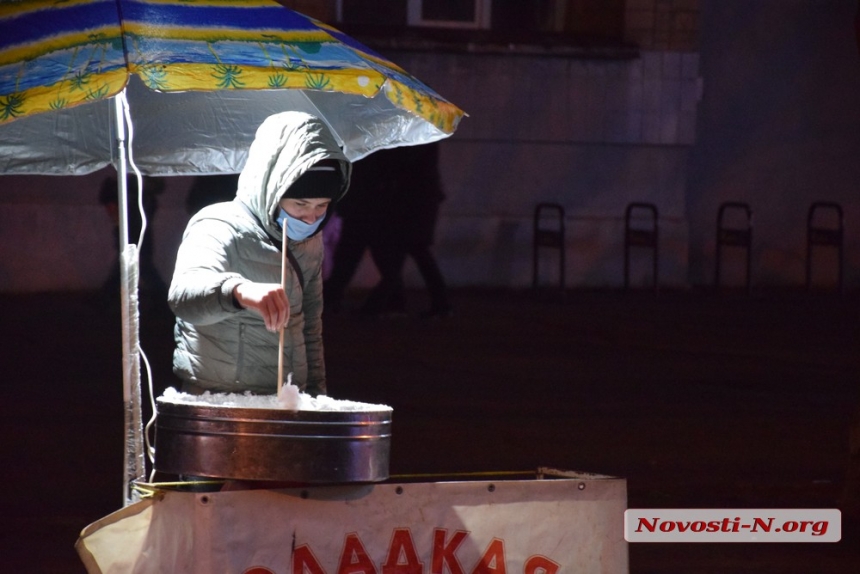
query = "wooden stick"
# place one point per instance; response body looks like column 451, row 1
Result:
column 283, row 328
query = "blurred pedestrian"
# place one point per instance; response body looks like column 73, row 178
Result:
column 150, row 281
column 209, row 189
column 423, row 197
column 365, row 218
column 392, row 212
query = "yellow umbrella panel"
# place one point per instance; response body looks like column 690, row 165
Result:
column 58, row 55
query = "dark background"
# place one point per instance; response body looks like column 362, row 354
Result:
column 698, row 399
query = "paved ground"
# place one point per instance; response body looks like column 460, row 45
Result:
column 698, row 399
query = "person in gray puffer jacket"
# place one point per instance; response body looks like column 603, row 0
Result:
column 226, row 290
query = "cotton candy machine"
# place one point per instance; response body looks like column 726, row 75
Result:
column 273, row 444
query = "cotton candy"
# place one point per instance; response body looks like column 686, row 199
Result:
column 248, row 400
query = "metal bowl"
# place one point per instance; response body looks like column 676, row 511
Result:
column 272, row 444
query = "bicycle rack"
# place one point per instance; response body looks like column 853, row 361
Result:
column 638, row 237
column 548, row 238
column 824, row 237
column 734, row 237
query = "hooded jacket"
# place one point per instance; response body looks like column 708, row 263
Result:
column 219, row 345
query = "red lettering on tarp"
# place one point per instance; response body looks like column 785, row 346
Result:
column 402, row 548
column 257, row 570
column 403, row 558
column 304, row 561
column 540, row 565
column 354, row 557
column 444, row 553
column 493, row 560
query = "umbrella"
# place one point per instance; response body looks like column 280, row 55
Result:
column 214, row 68
column 178, row 87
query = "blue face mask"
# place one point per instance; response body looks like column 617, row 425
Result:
column 296, row 228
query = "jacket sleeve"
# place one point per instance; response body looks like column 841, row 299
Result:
column 201, row 291
column 313, row 306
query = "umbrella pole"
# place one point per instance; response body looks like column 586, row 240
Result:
column 133, row 464
column 284, row 328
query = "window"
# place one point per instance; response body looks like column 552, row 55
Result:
column 459, row 23
column 449, row 13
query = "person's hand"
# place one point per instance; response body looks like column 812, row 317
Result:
column 268, row 300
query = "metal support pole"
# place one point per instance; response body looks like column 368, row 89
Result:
column 133, row 463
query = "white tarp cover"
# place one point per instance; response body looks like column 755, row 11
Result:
column 552, row 526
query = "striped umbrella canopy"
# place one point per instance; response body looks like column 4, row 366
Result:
column 200, row 76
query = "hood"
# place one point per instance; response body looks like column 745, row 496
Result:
column 285, row 147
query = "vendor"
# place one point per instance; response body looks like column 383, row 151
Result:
column 226, row 290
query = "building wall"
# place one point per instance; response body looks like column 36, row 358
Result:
column 779, row 128
column 663, row 25
column 56, row 236
column 590, row 135
column 758, row 106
